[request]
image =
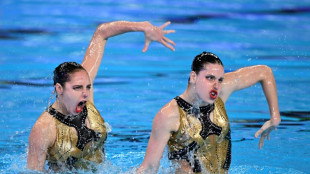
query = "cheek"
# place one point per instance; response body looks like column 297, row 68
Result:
column 69, row 96
column 203, row 84
column 220, row 86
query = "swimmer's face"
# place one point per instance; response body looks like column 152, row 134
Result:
column 76, row 91
column 208, row 82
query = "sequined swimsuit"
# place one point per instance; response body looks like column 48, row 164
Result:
column 72, row 150
column 204, row 144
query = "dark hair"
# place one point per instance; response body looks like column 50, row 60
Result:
column 205, row 58
column 63, row 71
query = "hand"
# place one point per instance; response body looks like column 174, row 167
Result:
column 153, row 33
column 264, row 131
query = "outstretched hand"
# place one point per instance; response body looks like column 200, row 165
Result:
column 153, row 33
column 264, row 131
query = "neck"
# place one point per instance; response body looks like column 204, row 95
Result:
column 60, row 107
column 190, row 95
column 191, row 98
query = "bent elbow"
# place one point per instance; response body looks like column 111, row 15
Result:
column 267, row 70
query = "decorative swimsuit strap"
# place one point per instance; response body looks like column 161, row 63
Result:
column 203, row 115
column 85, row 134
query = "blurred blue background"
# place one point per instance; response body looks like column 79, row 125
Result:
column 131, row 86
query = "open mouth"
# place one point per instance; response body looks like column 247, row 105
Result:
column 80, row 106
column 213, row 94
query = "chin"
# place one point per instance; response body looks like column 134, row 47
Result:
column 209, row 101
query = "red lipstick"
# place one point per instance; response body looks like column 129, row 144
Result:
column 213, row 94
column 80, row 107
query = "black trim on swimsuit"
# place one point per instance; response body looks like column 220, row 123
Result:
column 68, row 164
column 85, row 135
column 203, row 114
column 208, row 128
column 228, row 154
column 184, row 154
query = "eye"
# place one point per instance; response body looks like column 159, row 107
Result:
column 77, row 87
column 221, row 80
column 210, row 78
column 88, row 87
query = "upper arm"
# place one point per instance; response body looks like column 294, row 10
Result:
column 92, row 59
column 243, row 78
column 93, row 55
column 40, row 139
column 163, row 124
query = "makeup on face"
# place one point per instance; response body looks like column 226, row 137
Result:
column 211, row 79
column 77, row 91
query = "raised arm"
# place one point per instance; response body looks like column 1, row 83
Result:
column 248, row 76
column 95, row 50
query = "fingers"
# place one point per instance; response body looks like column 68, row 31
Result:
column 165, row 24
column 264, row 131
column 264, row 135
column 261, row 142
column 266, row 126
column 258, row 132
column 157, row 35
column 167, row 45
column 262, row 138
column 169, row 41
column 146, row 46
column 169, row 31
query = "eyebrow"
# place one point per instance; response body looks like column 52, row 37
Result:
column 210, row 75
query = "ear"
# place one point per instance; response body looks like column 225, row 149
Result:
column 59, row 89
column 193, row 77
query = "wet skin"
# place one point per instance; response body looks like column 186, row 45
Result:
column 208, row 83
column 74, row 94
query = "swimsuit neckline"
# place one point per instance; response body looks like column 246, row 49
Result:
column 84, row 133
column 190, row 109
column 203, row 115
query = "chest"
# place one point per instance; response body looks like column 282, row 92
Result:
column 208, row 129
column 79, row 139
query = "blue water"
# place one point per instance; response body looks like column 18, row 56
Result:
column 131, row 86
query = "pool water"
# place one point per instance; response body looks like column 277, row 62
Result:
column 131, row 86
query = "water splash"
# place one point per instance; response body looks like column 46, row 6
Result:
column 244, row 169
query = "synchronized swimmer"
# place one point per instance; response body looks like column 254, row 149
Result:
column 71, row 133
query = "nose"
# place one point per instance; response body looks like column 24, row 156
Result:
column 85, row 93
column 216, row 84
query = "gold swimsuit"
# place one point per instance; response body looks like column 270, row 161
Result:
column 206, row 145
column 80, row 149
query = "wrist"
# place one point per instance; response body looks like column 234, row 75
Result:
column 275, row 120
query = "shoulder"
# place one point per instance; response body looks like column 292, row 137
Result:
column 45, row 121
column 219, row 101
column 228, row 84
column 91, row 106
column 219, row 104
column 44, row 129
column 168, row 116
